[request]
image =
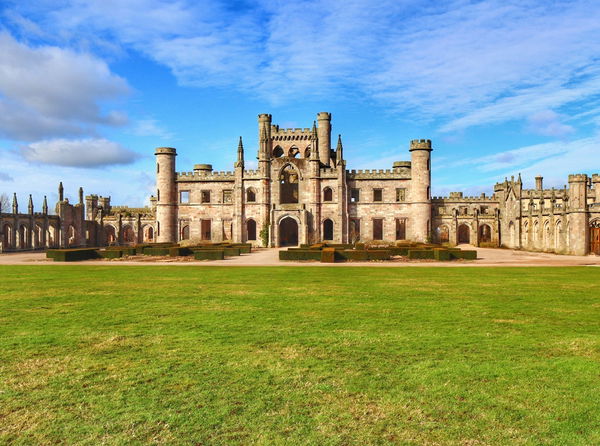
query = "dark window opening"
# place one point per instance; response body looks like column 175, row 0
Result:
column 205, row 196
column 378, row 229
column 205, row 230
column 400, row 229
column 377, row 194
column 327, row 194
column 354, row 195
column 288, row 181
column 327, row 230
column 250, row 196
column 251, row 229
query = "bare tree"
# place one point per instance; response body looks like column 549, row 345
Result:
column 4, row 203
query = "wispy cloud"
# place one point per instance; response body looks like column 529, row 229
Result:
column 78, row 153
column 462, row 63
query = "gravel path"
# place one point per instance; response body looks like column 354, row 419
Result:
column 270, row 257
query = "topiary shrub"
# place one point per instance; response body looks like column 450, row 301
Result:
column 353, row 254
column 156, row 251
column 466, row 255
column 328, row 255
column 420, row 254
column 209, row 254
column 378, row 254
column 73, row 255
column 299, row 254
column 110, row 253
column 441, row 254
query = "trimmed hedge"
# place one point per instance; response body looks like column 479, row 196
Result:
column 245, row 248
column 378, row 254
column 420, row 254
column 209, row 254
column 466, row 255
column 353, row 254
column 300, row 254
column 441, row 254
column 73, row 255
column 110, row 253
column 328, row 255
column 156, row 251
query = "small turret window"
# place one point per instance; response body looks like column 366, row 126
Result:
column 400, row 194
column 377, row 194
column 250, row 195
column 327, row 194
column 184, row 196
column 277, row 152
column 157, row 168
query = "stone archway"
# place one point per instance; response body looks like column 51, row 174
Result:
column 288, row 232
column 595, row 237
column 328, row 230
column 464, row 233
column 485, row 233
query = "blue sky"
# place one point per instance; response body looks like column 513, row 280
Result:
column 89, row 88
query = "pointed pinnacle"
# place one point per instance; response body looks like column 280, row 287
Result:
column 240, row 145
column 339, row 143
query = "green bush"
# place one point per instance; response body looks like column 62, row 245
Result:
column 420, row 254
column 73, row 255
column 245, row 248
column 209, row 254
column 176, row 251
column 156, row 251
column 399, row 250
column 378, row 254
column 466, row 255
column 50, row 253
column 359, row 246
column 328, row 255
column 353, row 254
column 441, row 254
column 299, row 254
column 110, row 253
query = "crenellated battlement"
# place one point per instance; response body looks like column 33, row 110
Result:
column 420, row 144
column 292, row 134
column 384, row 174
column 457, row 197
column 205, row 176
column 578, row 178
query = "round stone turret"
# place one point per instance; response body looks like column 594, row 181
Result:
column 203, row 168
column 166, row 193
column 324, row 136
column 420, row 144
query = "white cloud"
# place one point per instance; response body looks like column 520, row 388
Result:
column 49, row 91
column 464, row 63
column 151, row 127
column 5, row 177
column 548, row 123
column 78, row 153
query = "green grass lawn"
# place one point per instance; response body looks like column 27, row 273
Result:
column 299, row 356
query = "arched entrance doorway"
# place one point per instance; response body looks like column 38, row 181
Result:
column 464, row 234
column 327, row 230
column 251, row 229
column 595, row 237
column 288, row 232
column 485, row 234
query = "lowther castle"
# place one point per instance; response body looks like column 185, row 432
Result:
column 302, row 192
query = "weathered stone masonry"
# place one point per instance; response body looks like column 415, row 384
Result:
column 303, row 193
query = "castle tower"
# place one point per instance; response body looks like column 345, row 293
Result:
column 578, row 236
column 264, row 136
column 324, row 136
column 420, row 184
column 166, row 208
column 596, row 183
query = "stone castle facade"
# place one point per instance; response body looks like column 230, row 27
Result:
column 302, row 192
